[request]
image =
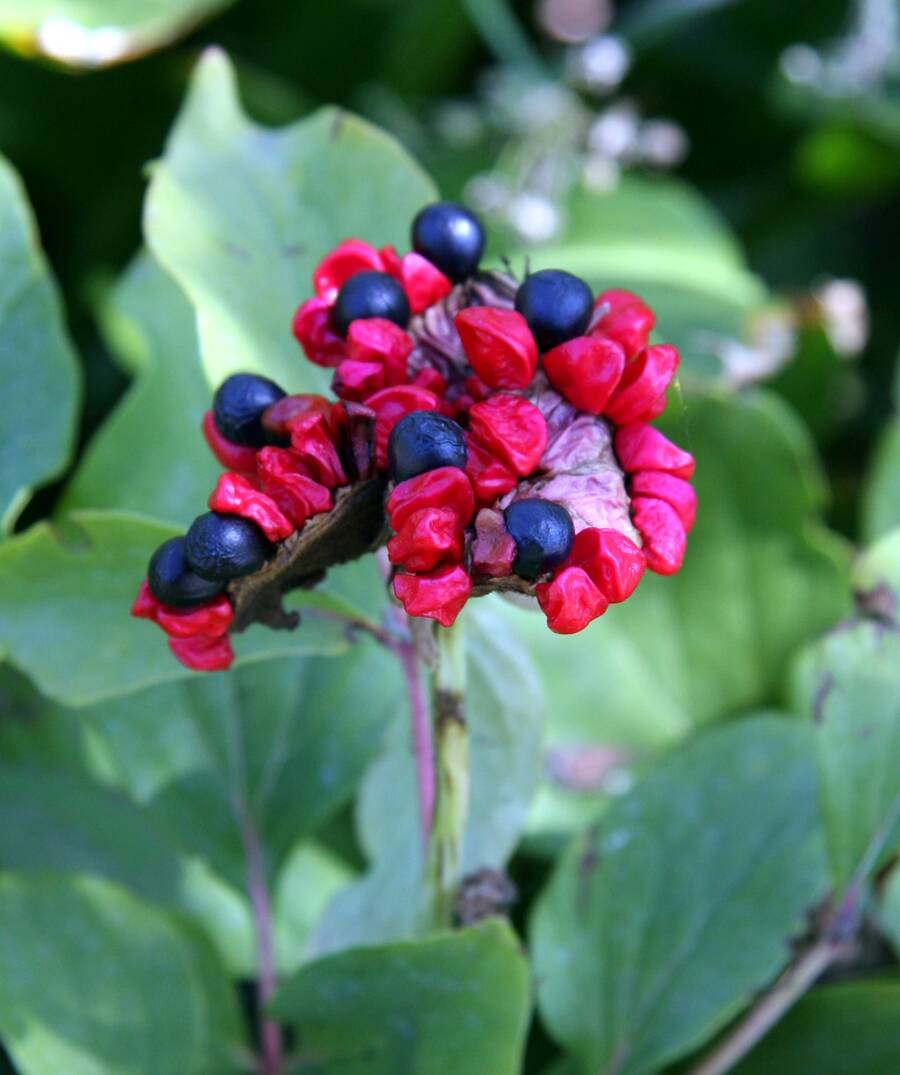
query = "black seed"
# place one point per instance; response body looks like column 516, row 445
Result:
column 423, row 441
column 172, row 581
column 556, row 305
column 224, row 547
column 543, row 533
column 370, row 294
column 450, row 237
column 238, row 406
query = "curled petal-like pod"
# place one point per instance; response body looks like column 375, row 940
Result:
column 512, row 429
column 641, row 447
column 348, row 258
column 677, row 492
column 645, row 380
column 586, row 370
column 663, row 532
column 499, row 346
column 570, row 601
column 613, row 561
column 439, row 595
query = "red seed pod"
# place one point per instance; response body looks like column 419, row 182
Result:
column 656, row 408
column 208, row 621
column 286, row 480
column 356, row 381
column 676, row 492
column 313, row 331
column 375, row 339
column 489, row 477
column 203, row 654
column 275, row 418
column 234, row 495
column 231, row 456
column 494, row 551
column 570, row 601
column 313, row 445
column 499, row 346
column 423, row 282
column 663, row 532
column 429, row 536
column 641, row 447
column 346, row 260
column 392, row 404
column 512, row 429
column 643, row 382
column 476, row 388
column 613, row 561
column 439, row 595
column 586, row 370
column 432, row 380
column 629, row 321
column 445, row 487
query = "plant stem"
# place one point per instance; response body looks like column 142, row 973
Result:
column 503, row 34
column 452, row 768
column 271, row 1044
column 421, row 729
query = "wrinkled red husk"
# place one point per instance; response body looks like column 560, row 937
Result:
column 231, row 456
column 643, row 384
column 392, row 404
column 287, row 481
column 234, row 495
column 277, row 417
column 570, row 601
column 312, row 443
column 428, row 537
column 629, row 320
column 375, row 339
column 203, row 654
column 586, row 370
column 499, row 346
column 314, row 332
column 512, row 429
column 611, row 559
column 445, row 487
column 490, row 478
column 641, row 447
column 355, row 381
column 423, row 282
column 347, row 259
column 439, row 595
column 676, row 492
column 193, row 633
column 665, row 539
column 494, row 550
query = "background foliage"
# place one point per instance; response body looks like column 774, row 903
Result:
column 698, row 788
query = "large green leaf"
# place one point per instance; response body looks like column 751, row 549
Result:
column 40, row 371
column 455, row 1002
column 848, row 1029
column 881, row 500
column 64, row 611
column 240, row 215
column 659, row 238
column 504, row 709
column 149, row 456
column 849, row 685
column 762, row 576
column 93, row 982
column 95, row 33
column 662, row 922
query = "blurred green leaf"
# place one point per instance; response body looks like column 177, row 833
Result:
column 40, row 370
column 849, row 686
column 64, row 611
column 762, row 577
column 96, row 33
column 662, row 921
column 881, row 492
column 240, row 215
column 889, row 907
column 454, row 1002
column 150, row 456
column 504, row 710
column 847, row 1029
column 93, row 982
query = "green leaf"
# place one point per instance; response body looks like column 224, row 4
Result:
column 504, row 711
column 762, row 577
column 662, row 922
column 847, row 1029
column 881, row 493
column 150, row 456
column 455, row 1002
column 849, row 686
column 889, row 908
column 96, row 33
column 240, row 215
column 660, row 239
column 40, row 371
column 93, row 982
column 64, row 611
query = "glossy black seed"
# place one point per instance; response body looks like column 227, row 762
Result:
column 172, row 581
column 423, row 441
column 543, row 533
column 238, row 406
column 556, row 305
column 450, row 237
column 224, row 547
column 370, row 294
